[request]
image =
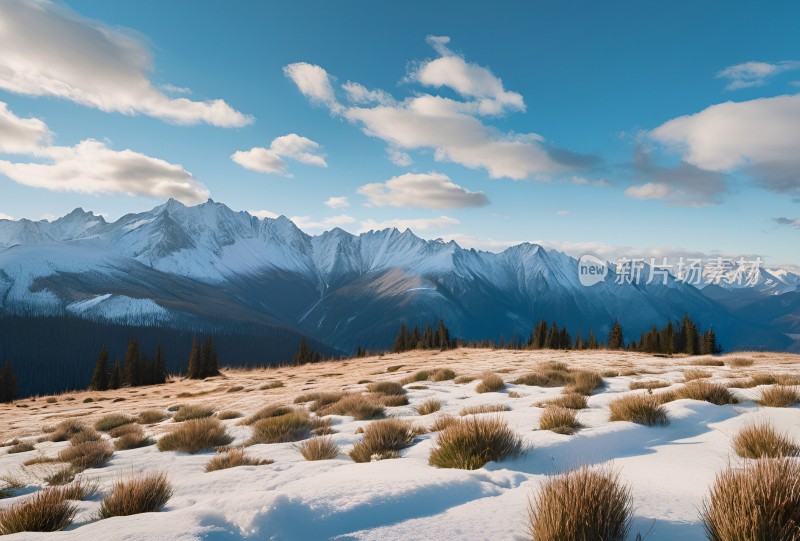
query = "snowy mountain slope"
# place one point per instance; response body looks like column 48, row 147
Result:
column 176, row 263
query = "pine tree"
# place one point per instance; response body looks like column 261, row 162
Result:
column 400, row 340
column 133, row 368
column 690, row 335
column 8, row 384
column 427, row 338
column 305, row 354
column 208, row 359
column 615, row 336
column 578, row 341
column 159, row 366
column 709, row 344
column 147, row 371
column 100, row 375
column 539, row 335
column 443, row 336
column 115, row 379
column 592, row 340
column 415, row 339
column 193, row 370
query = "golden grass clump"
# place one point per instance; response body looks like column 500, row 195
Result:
column 429, row 406
column 149, row 417
column 739, row 362
column 319, row 448
column 545, row 377
column 228, row 414
column 89, row 454
column 691, row 375
column 761, row 440
column 394, row 400
column 22, row 447
column 320, row 399
column 759, row 501
column 648, row 384
column 706, row 391
column 383, row 439
column 192, row 411
column 64, row 430
column 779, row 396
column 765, row 379
column 643, row 409
column 584, row 504
column 87, row 434
column 420, row 375
column 195, row 435
column 293, row 426
column 144, row 494
column 62, row 475
column 46, row 511
column 706, row 361
column 483, row 408
column 443, row 374
column 559, row 420
column 273, row 410
column 584, row 382
column 132, row 439
column 388, row 388
column 460, row 380
column 125, row 429
column 441, row 422
column 573, row 401
column 112, row 420
column 360, row 407
column 490, row 383
column 470, row 443
column 233, row 458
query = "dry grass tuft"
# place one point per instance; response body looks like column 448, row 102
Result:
column 483, row 408
column 420, row 375
column 292, row 426
column 584, row 504
column 360, row 407
column 144, row 494
column 62, row 476
column 649, row 385
column 584, row 382
column 761, row 440
column 706, row 361
column 559, row 420
column 64, row 430
column 643, row 409
column 706, row 391
column 228, row 414
column 235, row 389
column 149, row 417
column 46, row 511
column 23, row 447
column 443, row 374
column 382, row 440
column 470, row 443
column 319, row 448
column 429, row 406
column 112, row 420
column 271, row 385
column 691, row 375
column 573, row 401
column 393, row 400
column 544, row 377
column 89, row 454
column 133, row 439
column 759, row 501
column 386, row 388
column 195, row 435
column 739, row 362
column 192, row 411
column 442, row 422
column 273, row 410
column 779, row 397
column 125, row 429
column 765, row 379
column 460, row 380
column 233, row 458
column 490, row 383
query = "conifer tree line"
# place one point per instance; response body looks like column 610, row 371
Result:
column 407, row 340
column 544, row 337
column 8, row 384
column 203, row 360
column 305, row 354
column 134, row 371
column 684, row 337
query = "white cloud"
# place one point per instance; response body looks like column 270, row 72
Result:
column 262, row 214
column 92, row 167
column 563, row 213
column 750, row 74
column 337, row 202
column 306, row 223
column 419, row 224
column 398, row 157
column 361, row 95
column 422, row 190
column 760, row 137
column 791, row 222
column 51, row 51
column 650, row 190
column 270, row 160
column 4, row 216
column 449, row 127
column 175, row 89
column 21, row 135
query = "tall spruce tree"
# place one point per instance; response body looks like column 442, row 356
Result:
column 400, row 340
column 592, row 340
column 8, row 384
column 443, row 336
column 133, row 367
column 159, row 366
column 115, row 378
column 100, row 375
column 193, row 370
column 616, row 339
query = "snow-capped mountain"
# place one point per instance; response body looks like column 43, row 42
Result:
column 176, row 265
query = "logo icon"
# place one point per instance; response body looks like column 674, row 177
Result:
column 591, row 270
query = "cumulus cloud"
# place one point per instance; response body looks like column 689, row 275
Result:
column 684, row 184
column 262, row 214
column 21, row 135
column 750, row 74
column 398, row 157
column 422, row 190
column 337, row 202
column 306, row 223
column 760, row 137
column 292, row 146
column 4, row 216
column 361, row 95
column 414, row 224
column 50, row 51
column 92, row 167
column 449, row 127
column 791, row 222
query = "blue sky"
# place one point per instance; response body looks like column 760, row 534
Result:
column 635, row 128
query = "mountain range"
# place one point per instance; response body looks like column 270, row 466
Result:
column 184, row 267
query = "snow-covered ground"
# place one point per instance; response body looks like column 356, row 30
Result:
column 669, row 468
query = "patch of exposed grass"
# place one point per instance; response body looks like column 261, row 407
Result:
column 394, row 368
column 443, row 374
column 441, row 422
column 471, row 442
column 233, row 458
column 195, row 435
column 765, row 379
column 235, row 389
column 584, row 382
column 779, row 396
column 420, row 375
column 648, row 384
column 573, row 401
column 739, row 362
column 149, row 417
column 691, row 375
column 393, row 401
column 192, row 411
column 46, row 511
column 559, row 420
column 706, row 361
column 490, row 383
column 429, row 406
column 761, row 440
column 706, row 391
column 483, row 408
column 386, row 388
column 584, row 504
column 133, row 439
column 112, row 420
column 143, row 494
column 63, row 475
column 22, row 447
column 643, row 409
column 319, row 448
column 759, row 501
column 359, row 407
column 383, row 439
column 64, row 430
column 120, row 431
column 228, row 414
column 544, row 378
column 89, row 454
column 273, row 410
column 460, row 380
column 271, row 385
column 293, row 426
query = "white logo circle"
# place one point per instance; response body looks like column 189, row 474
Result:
column 591, row 270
